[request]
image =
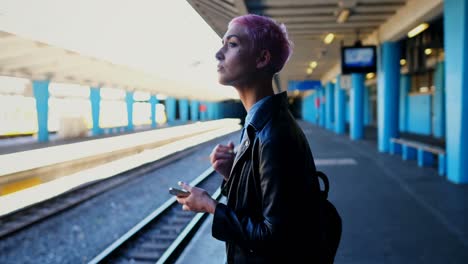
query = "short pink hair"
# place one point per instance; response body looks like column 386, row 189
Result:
column 267, row 34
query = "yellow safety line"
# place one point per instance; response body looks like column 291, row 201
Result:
column 19, row 185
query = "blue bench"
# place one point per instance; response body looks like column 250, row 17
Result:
column 424, row 153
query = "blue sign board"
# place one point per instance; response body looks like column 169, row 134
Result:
column 304, row 85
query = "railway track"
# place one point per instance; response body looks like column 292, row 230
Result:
column 18, row 220
column 162, row 235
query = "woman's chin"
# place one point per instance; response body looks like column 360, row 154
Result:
column 222, row 81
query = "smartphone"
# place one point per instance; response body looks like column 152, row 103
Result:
column 179, row 192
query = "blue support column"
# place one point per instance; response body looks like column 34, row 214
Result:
column 210, row 110
column 405, row 86
column 95, row 97
column 204, row 113
column 129, row 100
column 313, row 108
column 456, row 82
column 340, row 107
column 323, row 102
column 219, row 113
column 308, row 109
column 387, row 93
column 194, row 110
column 183, row 109
column 347, row 108
column 366, row 105
column 171, row 109
column 41, row 94
column 330, row 90
column 356, row 124
column 439, row 101
column 153, row 102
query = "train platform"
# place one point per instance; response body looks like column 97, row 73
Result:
column 393, row 211
column 29, row 177
column 23, row 143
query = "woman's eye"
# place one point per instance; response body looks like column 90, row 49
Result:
column 232, row 44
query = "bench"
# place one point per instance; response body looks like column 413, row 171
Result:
column 424, row 153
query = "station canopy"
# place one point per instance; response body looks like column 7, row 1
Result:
column 150, row 46
column 310, row 21
column 169, row 47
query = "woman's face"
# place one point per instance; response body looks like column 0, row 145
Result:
column 236, row 62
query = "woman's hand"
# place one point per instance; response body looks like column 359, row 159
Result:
column 222, row 158
column 198, row 201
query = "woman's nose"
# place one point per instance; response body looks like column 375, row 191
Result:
column 219, row 55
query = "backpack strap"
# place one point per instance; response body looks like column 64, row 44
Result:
column 326, row 184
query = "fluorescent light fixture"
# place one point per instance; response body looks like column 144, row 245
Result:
column 370, row 75
column 313, row 64
column 402, row 62
column 428, row 51
column 309, row 71
column 415, row 31
column 329, row 38
column 343, row 16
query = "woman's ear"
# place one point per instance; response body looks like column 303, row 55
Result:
column 263, row 59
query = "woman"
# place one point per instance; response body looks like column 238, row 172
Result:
column 269, row 183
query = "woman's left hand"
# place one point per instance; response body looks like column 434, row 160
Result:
column 198, row 201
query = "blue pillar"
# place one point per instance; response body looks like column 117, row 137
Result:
column 204, row 112
column 439, row 101
column 340, row 107
column 41, row 94
column 330, row 105
column 356, row 124
column 387, row 93
column 405, row 86
column 210, row 110
column 95, row 97
column 171, row 109
column 153, row 102
column 366, row 105
column 307, row 108
column 129, row 100
column 347, row 108
column 218, row 112
column 323, row 102
column 194, row 110
column 456, row 83
column 183, row 110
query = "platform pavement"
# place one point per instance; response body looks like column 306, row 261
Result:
column 392, row 210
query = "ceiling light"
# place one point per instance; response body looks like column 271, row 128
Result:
column 309, row 71
column 402, row 62
column 313, row 64
column 343, row 16
column 370, row 75
column 329, row 38
column 415, row 31
column 428, row 51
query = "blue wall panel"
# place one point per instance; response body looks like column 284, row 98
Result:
column 419, row 114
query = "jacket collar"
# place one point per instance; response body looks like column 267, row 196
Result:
column 263, row 114
column 265, row 111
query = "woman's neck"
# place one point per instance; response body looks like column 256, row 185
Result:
column 250, row 94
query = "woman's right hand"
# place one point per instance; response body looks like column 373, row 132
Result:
column 222, row 158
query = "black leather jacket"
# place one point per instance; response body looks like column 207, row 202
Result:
column 271, row 192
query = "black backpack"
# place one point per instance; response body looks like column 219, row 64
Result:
column 330, row 224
